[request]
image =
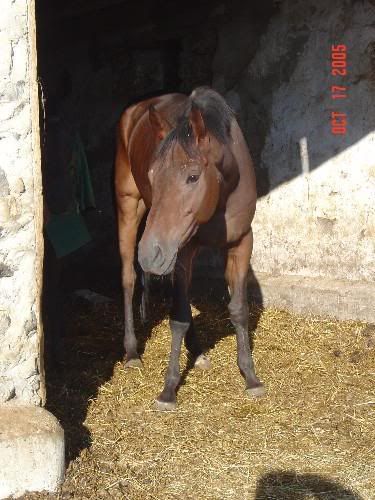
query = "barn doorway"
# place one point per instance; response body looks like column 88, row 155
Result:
column 95, row 59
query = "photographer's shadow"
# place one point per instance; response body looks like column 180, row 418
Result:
column 290, row 485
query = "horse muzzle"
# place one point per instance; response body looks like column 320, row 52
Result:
column 156, row 260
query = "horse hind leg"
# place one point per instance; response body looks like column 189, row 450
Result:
column 238, row 259
column 192, row 344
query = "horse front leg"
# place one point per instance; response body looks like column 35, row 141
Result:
column 181, row 323
column 237, row 267
column 145, row 297
column 131, row 210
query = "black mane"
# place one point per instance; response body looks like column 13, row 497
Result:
column 217, row 117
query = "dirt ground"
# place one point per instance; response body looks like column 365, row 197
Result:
column 310, row 437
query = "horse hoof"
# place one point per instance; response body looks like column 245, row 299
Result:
column 134, row 363
column 165, row 405
column 256, row 392
column 202, row 362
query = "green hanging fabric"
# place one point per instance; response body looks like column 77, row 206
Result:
column 84, row 190
column 67, row 231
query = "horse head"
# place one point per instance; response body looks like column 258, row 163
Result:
column 185, row 185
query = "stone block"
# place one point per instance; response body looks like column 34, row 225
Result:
column 31, row 451
column 341, row 299
column 7, row 390
column 20, row 61
column 4, row 185
column 6, row 57
column 4, row 211
column 19, row 186
column 4, row 322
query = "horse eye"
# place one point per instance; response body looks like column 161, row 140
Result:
column 192, row 178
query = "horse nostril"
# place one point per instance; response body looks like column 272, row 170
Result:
column 158, row 254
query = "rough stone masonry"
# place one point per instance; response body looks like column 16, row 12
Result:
column 315, row 221
column 31, row 440
column 20, row 199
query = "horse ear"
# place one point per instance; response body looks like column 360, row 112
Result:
column 160, row 125
column 197, row 124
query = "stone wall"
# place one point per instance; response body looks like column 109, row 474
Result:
column 21, row 378
column 316, row 213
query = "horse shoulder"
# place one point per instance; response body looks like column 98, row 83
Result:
column 241, row 203
column 124, row 180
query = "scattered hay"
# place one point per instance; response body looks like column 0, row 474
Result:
column 311, row 437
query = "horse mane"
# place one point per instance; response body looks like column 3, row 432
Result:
column 217, row 116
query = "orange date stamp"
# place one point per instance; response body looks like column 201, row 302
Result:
column 339, row 69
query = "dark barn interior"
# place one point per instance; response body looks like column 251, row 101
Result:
column 95, row 59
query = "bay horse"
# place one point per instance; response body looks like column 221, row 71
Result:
column 184, row 159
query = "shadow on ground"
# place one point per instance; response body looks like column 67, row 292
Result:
column 289, row 485
column 82, row 352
